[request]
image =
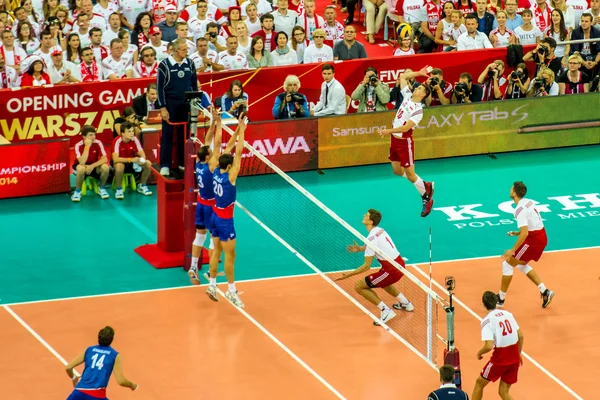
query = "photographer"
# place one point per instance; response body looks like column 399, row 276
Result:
column 290, row 103
column 441, row 91
column 130, row 115
column 543, row 56
column 518, row 83
column 371, row 94
column 215, row 42
column 543, row 84
column 494, row 84
column 465, row 91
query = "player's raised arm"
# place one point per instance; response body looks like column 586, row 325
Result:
column 217, row 139
column 118, row 372
column 237, row 159
column 74, row 363
column 232, row 140
column 208, row 138
column 405, row 76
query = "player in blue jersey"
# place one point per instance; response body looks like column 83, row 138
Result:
column 224, row 178
column 207, row 161
column 100, row 361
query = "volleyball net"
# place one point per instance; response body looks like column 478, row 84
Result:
column 319, row 237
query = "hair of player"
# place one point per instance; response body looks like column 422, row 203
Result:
column 447, row 373
column 375, row 216
column 520, row 189
column 106, row 336
column 490, row 300
column 87, row 129
column 225, row 160
column 427, row 91
column 203, row 153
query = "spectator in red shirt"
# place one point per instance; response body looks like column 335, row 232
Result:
column 91, row 161
column 129, row 157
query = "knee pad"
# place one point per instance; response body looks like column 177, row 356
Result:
column 211, row 246
column 524, row 268
column 200, row 239
column 507, row 269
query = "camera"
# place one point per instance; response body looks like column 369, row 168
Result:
column 372, row 79
column 492, row 73
column 297, row 98
column 434, row 81
column 461, row 87
column 213, row 35
column 517, row 75
column 538, row 83
column 542, row 50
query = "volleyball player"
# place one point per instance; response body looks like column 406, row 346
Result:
column 224, row 179
column 530, row 245
column 100, row 361
column 402, row 147
column 499, row 332
column 386, row 276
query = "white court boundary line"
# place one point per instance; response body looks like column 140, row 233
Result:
column 284, row 348
column 38, row 337
column 474, row 314
column 92, row 296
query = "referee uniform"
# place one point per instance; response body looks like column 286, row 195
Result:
column 448, row 391
column 173, row 79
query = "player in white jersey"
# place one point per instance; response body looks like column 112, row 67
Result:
column 402, row 147
column 500, row 332
column 386, row 276
column 530, row 245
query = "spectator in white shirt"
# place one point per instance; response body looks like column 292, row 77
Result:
column 117, row 62
column 283, row 54
column 231, row 59
column 106, row 8
column 205, row 59
column 528, row 33
column 156, row 42
column 96, row 20
column 285, row 19
column 61, row 71
column 83, row 30
column 130, row 9
column 9, row 78
column 333, row 95
column 25, row 38
column 595, row 12
column 215, row 42
column 262, row 7
column 318, row 51
column 334, row 30
column 13, row 55
column 114, row 26
column 310, row 21
column 197, row 25
column 472, row 39
column 252, row 19
column 147, row 67
column 100, row 51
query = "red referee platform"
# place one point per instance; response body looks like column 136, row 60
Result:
column 176, row 210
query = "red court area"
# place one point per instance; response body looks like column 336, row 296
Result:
column 178, row 344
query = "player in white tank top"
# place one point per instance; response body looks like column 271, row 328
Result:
column 530, row 245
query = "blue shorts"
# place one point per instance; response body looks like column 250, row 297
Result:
column 77, row 395
column 223, row 228
column 204, row 217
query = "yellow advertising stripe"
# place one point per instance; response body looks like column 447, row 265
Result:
column 3, row 140
column 253, row 75
column 222, row 79
column 277, row 89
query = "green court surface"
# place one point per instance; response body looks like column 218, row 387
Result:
column 51, row 248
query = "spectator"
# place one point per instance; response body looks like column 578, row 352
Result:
column 317, row 51
column 579, row 7
column 518, row 82
column 130, row 50
column 258, row 56
column 130, row 9
column 371, row 94
column 465, row 91
column 9, row 78
column 594, row 11
column 244, row 40
column 501, row 36
column 140, row 36
column 405, row 48
column 252, row 17
column 333, row 95
column 262, row 7
column 466, row 7
column 408, row 11
column 129, row 158
column 233, row 19
column 567, row 11
column 543, row 84
column 493, row 81
column 118, row 63
column 448, row 390
column 20, row 16
column 573, row 81
column 114, row 26
column 73, row 51
column 25, row 38
column 35, row 75
column 513, row 20
column 205, row 60
column 528, row 33
column 235, row 101
column 543, row 56
column 100, row 51
column 559, row 32
column 374, row 24
column 472, row 39
column 590, row 52
column 441, row 91
column 231, row 58
column 197, row 25
column 283, row 54
column 46, row 48
column 267, row 32
column 167, row 27
column 61, row 71
column 13, row 55
column 104, row 8
column 296, row 5
column 349, row 48
column 485, row 20
column 82, row 30
column 95, row 20
column 310, row 21
column 431, row 15
column 446, row 26
column 147, row 67
column 182, row 31
column 91, row 161
column 541, row 14
column 146, row 102
column 291, row 103
column 333, row 29
column 156, row 43
column 299, row 42
column 285, row 19
column 215, row 42
column 91, row 70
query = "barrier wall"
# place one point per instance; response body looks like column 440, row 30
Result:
column 60, row 111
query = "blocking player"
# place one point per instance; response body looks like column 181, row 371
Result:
column 91, row 161
column 402, row 147
column 500, row 332
column 100, row 361
column 530, row 245
column 128, row 152
column 386, row 276
column 224, row 179
column 207, row 161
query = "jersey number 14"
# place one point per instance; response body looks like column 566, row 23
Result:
column 97, row 363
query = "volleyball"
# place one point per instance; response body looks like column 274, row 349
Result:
column 404, row 30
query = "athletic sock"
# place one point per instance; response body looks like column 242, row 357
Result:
column 212, row 281
column 381, row 305
column 195, row 262
column 502, row 295
column 404, row 175
column 232, row 288
column 420, row 185
column 402, row 299
column 542, row 287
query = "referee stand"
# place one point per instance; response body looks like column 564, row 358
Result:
column 448, row 390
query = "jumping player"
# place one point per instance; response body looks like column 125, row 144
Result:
column 530, row 245
column 402, row 147
column 207, row 161
column 386, row 276
column 99, row 361
column 500, row 332
column 224, row 179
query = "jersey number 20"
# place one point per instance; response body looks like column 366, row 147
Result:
column 218, row 189
column 506, row 327
column 97, row 363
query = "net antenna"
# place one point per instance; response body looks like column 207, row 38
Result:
column 428, row 352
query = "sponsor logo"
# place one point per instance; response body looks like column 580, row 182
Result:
column 280, row 146
column 473, row 118
column 562, row 207
column 28, row 169
column 369, row 130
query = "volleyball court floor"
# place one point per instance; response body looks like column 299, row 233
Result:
column 67, row 270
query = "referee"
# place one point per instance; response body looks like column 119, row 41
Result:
column 176, row 75
column 448, row 390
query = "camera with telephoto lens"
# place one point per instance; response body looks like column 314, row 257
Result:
column 434, row 81
column 517, row 75
column 461, row 88
column 542, row 50
column 492, row 73
column 213, row 34
column 372, row 79
column 538, row 82
column 297, row 98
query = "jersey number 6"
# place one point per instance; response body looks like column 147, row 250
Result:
column 506, row 327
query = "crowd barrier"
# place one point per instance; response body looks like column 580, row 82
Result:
column 60, row 111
